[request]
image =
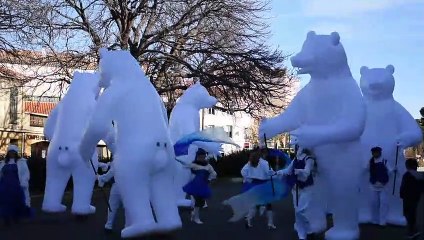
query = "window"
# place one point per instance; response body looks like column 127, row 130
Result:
column 246, row 133
column 211, row 111
column 14, row 142
column 230, row 131
column 37, row 121
column 13, row 106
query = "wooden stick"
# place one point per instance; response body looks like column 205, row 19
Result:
column 394, row 180
column 101, row 189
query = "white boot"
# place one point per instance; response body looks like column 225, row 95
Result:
column 270, row 217
column 192, row 201
column 195, row 216
column 206, row 205
column 262, row 210
column 249, row 217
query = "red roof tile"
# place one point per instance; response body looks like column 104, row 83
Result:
column 7, row 73
column 39, row 107
column 28, row 57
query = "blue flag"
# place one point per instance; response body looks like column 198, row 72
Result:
column 259, row 195
column 216, row 135
column 262, row 194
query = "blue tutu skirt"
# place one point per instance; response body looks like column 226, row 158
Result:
column 199, row 186
column 248, row 185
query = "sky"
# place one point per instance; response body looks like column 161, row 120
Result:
column 374, row 33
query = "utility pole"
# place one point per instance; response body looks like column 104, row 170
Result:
column 202, row 125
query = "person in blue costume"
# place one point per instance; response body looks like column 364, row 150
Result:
column 379, row 177
column 199, row 187
column 301, row 173
column 257, row 171
column 14, row 178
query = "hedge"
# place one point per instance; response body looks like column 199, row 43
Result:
column 226, row 166
column 230, row 165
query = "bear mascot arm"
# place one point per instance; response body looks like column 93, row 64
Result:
column 213, row 148
column 99, row 124
column 410, row 133
column 110, row 139
column 348, row 126
column 287, row 121
column 51, row 123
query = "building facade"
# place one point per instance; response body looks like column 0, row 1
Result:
column 29, row 90
column 236, row 125
column 22, row 120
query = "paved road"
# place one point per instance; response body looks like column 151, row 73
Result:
column 64, row 226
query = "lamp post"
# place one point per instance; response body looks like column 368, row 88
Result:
column 202, row 125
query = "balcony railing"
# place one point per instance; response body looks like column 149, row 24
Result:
column 41, row 99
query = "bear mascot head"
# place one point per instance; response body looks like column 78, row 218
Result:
column 377, row 83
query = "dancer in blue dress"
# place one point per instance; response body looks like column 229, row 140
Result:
column 14, row 177
column 199, row 187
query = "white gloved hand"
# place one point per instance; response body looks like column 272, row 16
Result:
column 293, row 140
column 211, row 177
column 100, row 181
column 400, row 141
column 305, row 137
column 104, row 166
column 394, row 169
column 283, row 172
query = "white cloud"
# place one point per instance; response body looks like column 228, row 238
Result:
column 348, row 8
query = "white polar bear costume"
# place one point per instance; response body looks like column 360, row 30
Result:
column 328, row 116
column 387, row 124
column 144, row 157
column 185, row 119
column 65, row 128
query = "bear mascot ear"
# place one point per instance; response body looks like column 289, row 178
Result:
column 390, row 68
column 364, row 69
column 335, row 38
column 311, row 34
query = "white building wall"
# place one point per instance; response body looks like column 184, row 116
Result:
column 235, row 125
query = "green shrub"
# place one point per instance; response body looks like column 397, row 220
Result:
column 230, row 165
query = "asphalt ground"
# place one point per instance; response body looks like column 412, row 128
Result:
column 64, row 226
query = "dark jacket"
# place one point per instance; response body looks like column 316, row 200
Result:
column 379, row 172
column 411, row 188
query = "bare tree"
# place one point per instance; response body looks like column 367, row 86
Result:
column 222, row 43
